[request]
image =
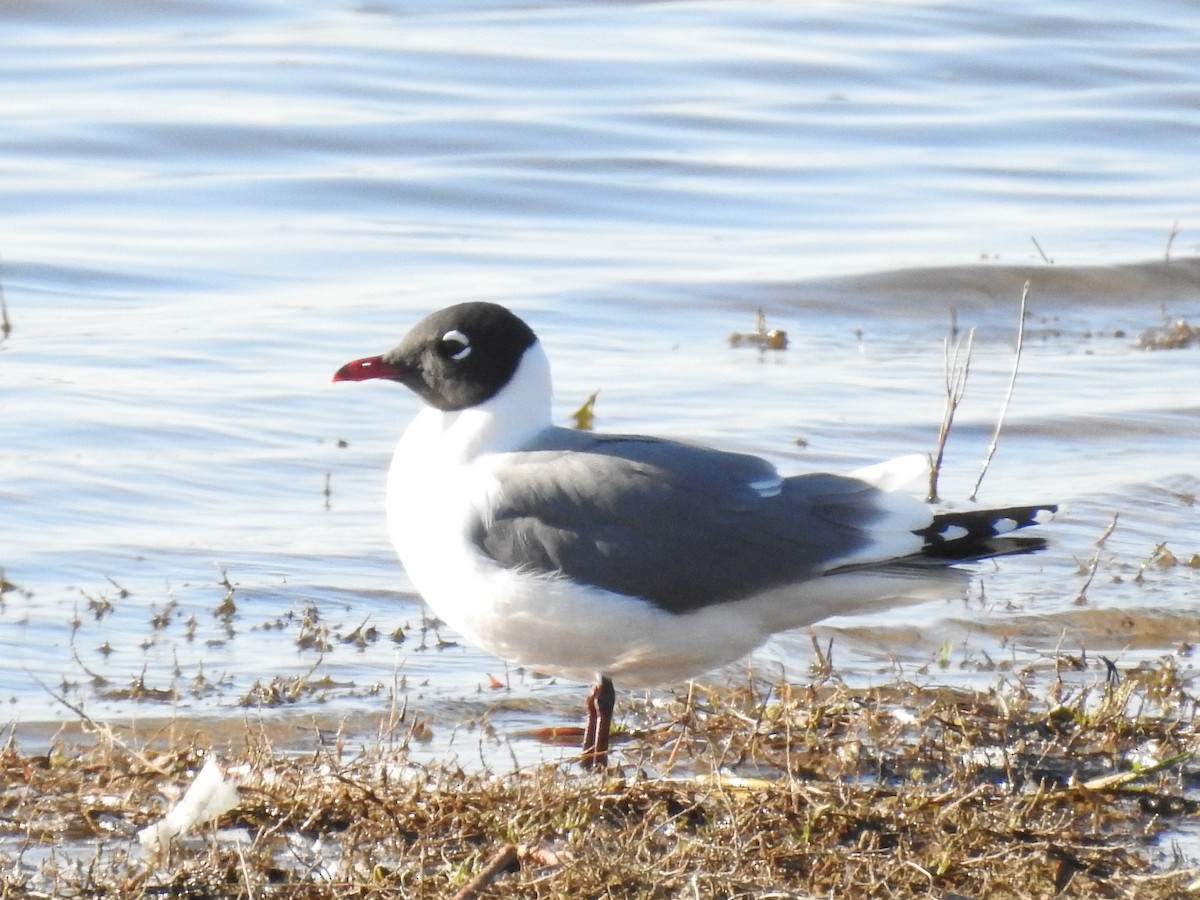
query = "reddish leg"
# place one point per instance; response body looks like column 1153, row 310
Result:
column 600, row 704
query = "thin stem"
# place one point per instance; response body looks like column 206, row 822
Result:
column 956, row 386
column 1012, row 383
column 1170, row 240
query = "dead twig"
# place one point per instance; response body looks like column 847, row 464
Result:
column 1045, row 258
column 1171, row 235
column 1012, row 383
column 1081, row 598
column 503, row 860
column 1112, row 526
column 956, row 386
column 5, row 324
column 822, row 664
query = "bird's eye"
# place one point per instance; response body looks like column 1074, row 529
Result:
column 456, row 345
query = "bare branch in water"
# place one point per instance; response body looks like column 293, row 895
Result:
column 956, row 386
column 1171, row 235
column 1112, row 526
column 1082, row 598
column 5, row 324
column 1012, row 383
column 1045, row 258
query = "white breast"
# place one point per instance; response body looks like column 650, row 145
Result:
column 441, row 482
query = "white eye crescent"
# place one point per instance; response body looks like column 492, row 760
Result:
column 456, row 337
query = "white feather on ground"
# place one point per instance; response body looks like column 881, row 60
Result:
column 206, row 798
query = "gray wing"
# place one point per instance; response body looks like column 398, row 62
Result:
column 681, row 525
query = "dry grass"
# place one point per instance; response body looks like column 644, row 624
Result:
column 817, row 790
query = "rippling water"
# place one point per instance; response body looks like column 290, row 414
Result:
column 206, row 208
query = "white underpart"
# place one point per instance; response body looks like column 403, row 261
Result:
column 892, row 533
column 903, row 514
column 441, row 478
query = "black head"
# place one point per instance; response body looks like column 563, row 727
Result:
column 457, row 358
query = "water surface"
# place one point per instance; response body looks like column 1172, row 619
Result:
column 205, row 209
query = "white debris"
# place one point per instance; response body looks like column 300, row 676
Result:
column 987, row 757
column 1146, row 756
column 210, row 795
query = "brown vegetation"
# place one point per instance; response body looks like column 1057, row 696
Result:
column 818, row 790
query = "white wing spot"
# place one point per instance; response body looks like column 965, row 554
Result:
column 954, row 532
column 768, row 487
column 1042, row 516
column 1004, row 526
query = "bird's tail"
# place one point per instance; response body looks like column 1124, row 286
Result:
column 964, row 535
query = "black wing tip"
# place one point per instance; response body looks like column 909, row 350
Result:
column 980, row 533
column 988, row 548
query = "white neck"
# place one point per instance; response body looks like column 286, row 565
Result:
column 520, row 410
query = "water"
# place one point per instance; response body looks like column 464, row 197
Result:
column 205, row 209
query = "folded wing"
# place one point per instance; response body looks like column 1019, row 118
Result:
column 685, row 526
